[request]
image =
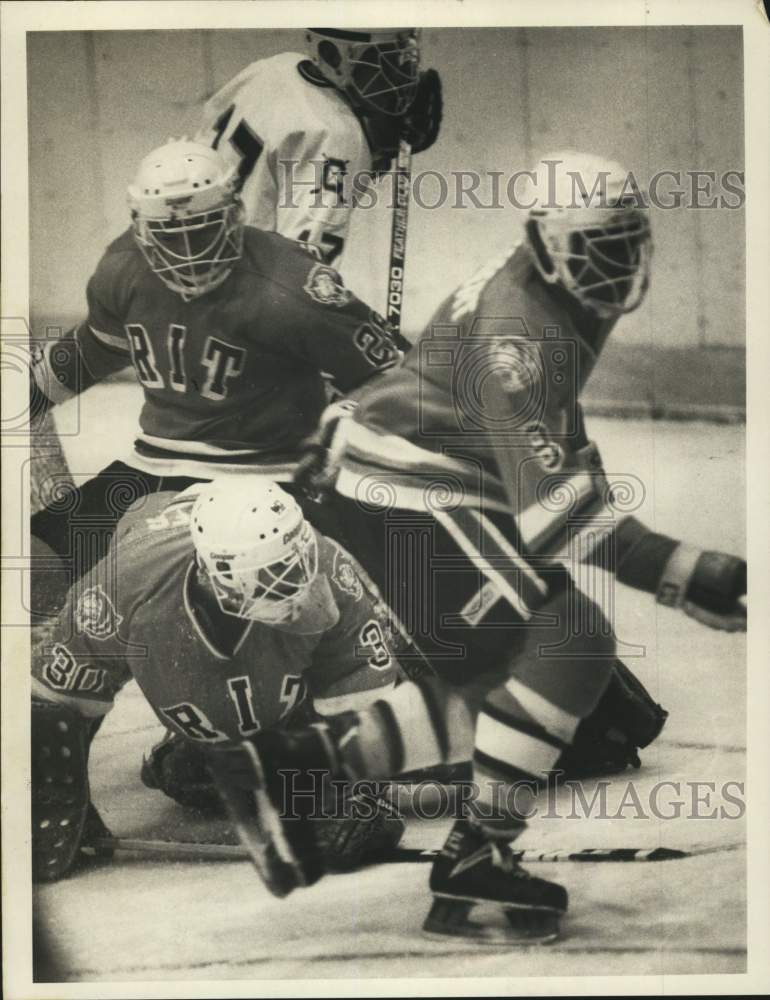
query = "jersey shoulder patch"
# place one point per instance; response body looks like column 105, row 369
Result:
column 293, row 266
column 344, row 575
column 325, row 285
column 96, row 615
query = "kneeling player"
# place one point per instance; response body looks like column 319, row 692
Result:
column 474, row 455
column 231, row 611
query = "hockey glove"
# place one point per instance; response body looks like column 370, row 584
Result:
column 178, row 768
column 317, row 467
column 708, row 586
column 607, row 741
column 419, row 126
column 422, row 121
column 368, row 831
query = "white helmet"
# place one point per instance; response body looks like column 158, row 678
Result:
column 188, row 219
column 378, row 69
column 253, row 541
column 590, row 231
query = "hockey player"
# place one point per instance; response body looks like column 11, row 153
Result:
column 229, row 330
column 477, row 443
column 333, row 118
column 233, row 615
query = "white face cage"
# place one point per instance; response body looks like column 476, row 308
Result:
column 601, row 256
column 379, row 70
column 192, row 255
column 268, row 592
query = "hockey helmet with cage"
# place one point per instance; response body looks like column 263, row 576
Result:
column 257, row 549
column 187, row 216
column 378, row 69
column 589, row 230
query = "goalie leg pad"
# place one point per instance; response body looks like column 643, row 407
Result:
column 60, row 793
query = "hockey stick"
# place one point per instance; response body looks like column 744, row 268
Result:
column 593, row 854
column 402, row 183
column 405, row 855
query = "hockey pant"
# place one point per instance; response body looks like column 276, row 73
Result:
column 529, row 653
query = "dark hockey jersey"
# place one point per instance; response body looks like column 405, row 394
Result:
column 485, row 408
column 210, row 680
column 232, row 378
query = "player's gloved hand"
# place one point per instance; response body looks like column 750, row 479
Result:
column 626, row 719
column 419, row 126
column 178, row 768
column 317, row 467
column 368, row 830
column 422, row 122
column 708, row 586
column 730, row 621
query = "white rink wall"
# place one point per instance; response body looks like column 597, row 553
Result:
column 659, row 98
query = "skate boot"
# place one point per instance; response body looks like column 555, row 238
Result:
column 473, row 868
column 275, row 827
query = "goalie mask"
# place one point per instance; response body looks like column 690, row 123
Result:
column 259, row 552
column 187, row 217
column 590, row 231
column 378, row 70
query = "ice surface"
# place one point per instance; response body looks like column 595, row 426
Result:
column 140, row 919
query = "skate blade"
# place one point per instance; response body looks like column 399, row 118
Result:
column 449, row 918
column 259, row 829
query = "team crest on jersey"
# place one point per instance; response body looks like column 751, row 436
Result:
column 549, row 453
column 324, row 285
column 95, row 614
column 347, row 579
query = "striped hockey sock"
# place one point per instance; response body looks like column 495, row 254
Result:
column 519, row 737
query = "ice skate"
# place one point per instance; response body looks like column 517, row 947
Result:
column 474, row 869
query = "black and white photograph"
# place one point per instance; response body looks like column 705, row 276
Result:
column 381, row 500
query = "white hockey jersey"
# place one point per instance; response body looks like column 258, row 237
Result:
column 298, row 146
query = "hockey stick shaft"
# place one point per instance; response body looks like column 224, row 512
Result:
column 401, row 855
column 396, row 265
